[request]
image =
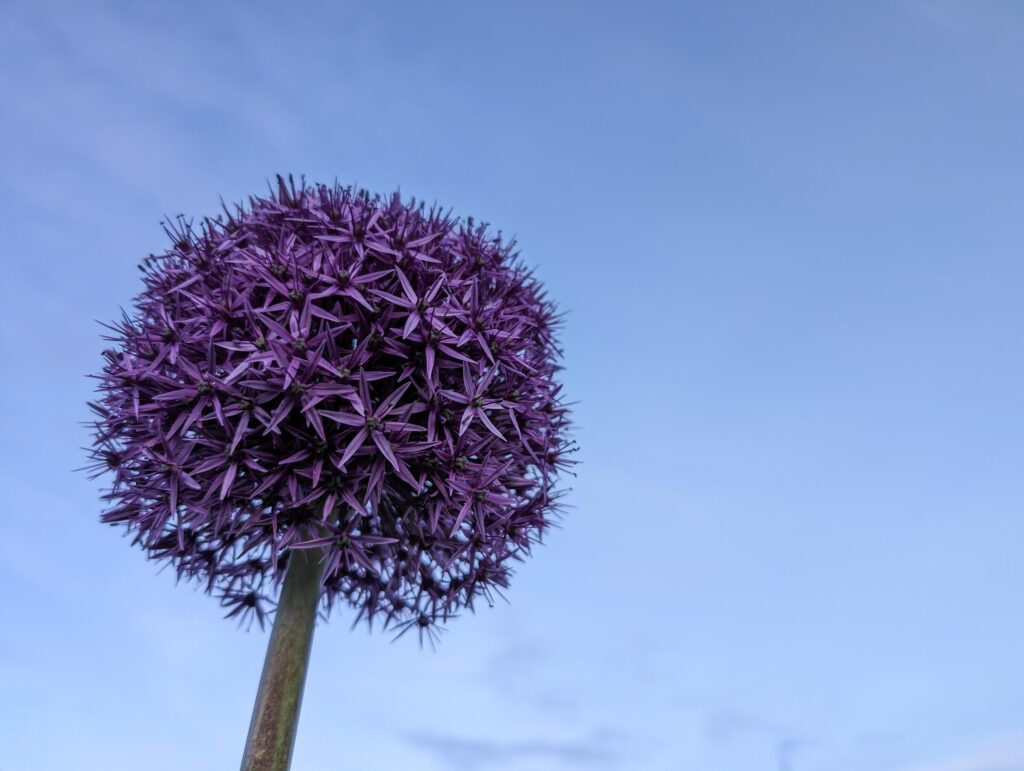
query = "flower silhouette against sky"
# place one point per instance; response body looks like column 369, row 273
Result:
column 328, row 369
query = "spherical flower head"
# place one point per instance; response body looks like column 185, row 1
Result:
column 326, row 369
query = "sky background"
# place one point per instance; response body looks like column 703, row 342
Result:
column 789, row 240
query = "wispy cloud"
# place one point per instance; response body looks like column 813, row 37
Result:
column 467, row 753
column 985, row 18
column 509, row 662
column 730, row 726
column 141, row 103
column 1002, row 755
column 786, row 751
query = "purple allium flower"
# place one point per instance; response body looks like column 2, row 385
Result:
column 329, row 369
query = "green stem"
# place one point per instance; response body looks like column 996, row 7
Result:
column 276, row 714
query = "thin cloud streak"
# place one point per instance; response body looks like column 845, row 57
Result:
column 1002, row 755
column 466, row 753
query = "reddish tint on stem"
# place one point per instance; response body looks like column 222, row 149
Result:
column 275, row 717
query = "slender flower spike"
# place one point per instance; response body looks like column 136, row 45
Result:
column 325, row 372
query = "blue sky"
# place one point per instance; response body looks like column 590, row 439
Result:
column 789, row 239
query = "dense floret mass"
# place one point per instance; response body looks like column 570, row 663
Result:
column 326, row 369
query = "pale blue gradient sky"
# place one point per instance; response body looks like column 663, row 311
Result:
column 789, row 238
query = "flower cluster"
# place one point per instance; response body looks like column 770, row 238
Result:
column 328, row 369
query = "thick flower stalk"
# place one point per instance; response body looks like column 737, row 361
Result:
column 332, row 371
